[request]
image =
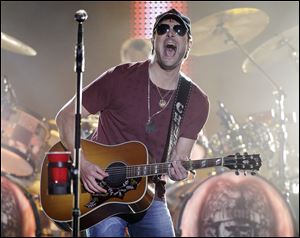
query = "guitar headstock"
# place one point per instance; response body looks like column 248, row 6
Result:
column 244, row 162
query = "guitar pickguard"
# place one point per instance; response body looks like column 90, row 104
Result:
column 118, row 192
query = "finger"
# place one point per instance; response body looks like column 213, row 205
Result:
column 183, row 171
column 90, row 187
column 95, row 186
column 176, row 167
column 98, row 176
column 180, row 171
column 86, row 187
column 172, row 174
column 101, row 172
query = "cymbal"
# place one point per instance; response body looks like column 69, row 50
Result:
column 277, row 48
column 12, row 44
column 212, row 34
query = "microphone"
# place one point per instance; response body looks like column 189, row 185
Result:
column 81, row 15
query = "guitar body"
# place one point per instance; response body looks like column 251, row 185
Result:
column 137, row 199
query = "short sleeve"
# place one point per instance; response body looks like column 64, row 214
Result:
column 196, row 114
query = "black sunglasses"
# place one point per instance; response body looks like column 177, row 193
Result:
column 164, row 28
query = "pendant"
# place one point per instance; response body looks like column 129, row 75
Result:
column 162, row 103
column 150, row 127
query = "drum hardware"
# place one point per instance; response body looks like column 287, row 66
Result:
column 286, row 40
column 8, row 95
column 231, row 140
column 268, row 117
column 89, row 125
column 279, row 96
column 54, row 134
column 280, row 118
column 227, row 119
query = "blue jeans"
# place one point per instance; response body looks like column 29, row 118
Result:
column 155, row 222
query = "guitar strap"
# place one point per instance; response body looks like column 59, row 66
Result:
column 179, row 107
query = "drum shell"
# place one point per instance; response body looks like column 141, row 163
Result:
column 230, row 205
column 24, row 134
column 19, row 214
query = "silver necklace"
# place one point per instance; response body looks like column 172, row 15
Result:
column 150, row 126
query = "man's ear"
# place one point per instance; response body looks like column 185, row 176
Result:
column 189, row 46
column 190, row 43
column 152, row 42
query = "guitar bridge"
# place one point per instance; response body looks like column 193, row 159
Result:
column 119, row 192
column 92, row 203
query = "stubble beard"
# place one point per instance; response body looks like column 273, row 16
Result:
column 165, row 66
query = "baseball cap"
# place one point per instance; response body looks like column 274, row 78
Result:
column 176, row 15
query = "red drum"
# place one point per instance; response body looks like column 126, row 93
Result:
column 228, row 205
column 23, row 142
column 19, row 215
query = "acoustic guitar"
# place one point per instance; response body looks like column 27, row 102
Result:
column 129, row 186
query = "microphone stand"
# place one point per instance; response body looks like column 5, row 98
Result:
column 80, row 17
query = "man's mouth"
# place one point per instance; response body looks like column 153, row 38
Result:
column 170, row 49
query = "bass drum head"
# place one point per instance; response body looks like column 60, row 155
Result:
column 227, row 205
column 19, row 215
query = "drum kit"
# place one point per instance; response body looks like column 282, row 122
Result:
column 219, row 205
column 25, row 137
column 216, row 202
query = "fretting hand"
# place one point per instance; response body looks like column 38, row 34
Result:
column 177, row 172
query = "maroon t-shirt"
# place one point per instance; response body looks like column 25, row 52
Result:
column 121, row 97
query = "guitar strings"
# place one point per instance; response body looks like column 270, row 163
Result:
column 133, row 168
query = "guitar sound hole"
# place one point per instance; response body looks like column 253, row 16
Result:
column 117, row 175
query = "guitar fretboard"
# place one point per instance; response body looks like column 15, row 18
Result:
column 162, row 168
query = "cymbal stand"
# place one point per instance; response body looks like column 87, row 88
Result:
column 293, row 51
column 8, row 95
column 227, row 119
column 280, row 118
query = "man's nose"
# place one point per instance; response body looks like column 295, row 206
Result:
column 171, row 32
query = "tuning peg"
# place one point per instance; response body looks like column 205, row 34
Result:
column 245, row 172
column 237, row 172
column 253, row 173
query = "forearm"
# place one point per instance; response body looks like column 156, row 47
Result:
column 65, row 122
column 181, row 153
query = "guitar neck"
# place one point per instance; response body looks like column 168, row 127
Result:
column 162, row 168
